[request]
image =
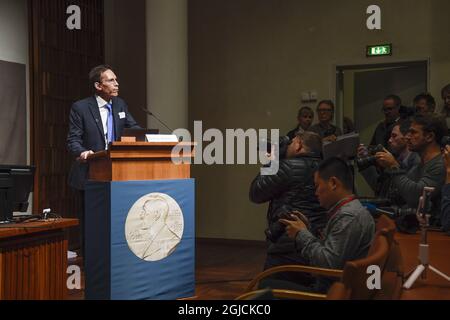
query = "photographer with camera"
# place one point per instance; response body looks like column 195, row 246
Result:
column 349, row 231
column 373, row 174
column 424, row 137
column 291, row 189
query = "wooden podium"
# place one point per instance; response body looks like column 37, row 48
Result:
column 128, row 161
column 124, row 182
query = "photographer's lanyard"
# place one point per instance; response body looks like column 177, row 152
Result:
column 339, row 205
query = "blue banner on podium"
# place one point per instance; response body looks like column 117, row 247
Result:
column 140, row 240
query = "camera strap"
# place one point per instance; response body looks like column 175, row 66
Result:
column 339, row 205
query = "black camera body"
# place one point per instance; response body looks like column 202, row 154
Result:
column 445, row 141
column 370, row 160
column 277, row 229
column 283, row 145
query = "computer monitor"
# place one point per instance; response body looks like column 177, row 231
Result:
column 139, row 134
column 16, row 183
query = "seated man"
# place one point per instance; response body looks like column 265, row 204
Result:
column 374, row 175
column 424, row 137
column 292, row 188
column 445, row 214
column 349, row 231
column 305, row 118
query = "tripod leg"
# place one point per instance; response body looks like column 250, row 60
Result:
column 416, row 274
column 443, row 275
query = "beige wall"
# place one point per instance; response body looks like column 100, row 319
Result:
column 125, row 51
column 249, row 61
column 167, row 63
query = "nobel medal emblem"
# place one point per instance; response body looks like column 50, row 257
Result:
column 154, row 227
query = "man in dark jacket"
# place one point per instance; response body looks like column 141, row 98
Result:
column 391, row 110
column 291, row 189
column 95, row 122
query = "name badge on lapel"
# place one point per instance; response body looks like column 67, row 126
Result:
column 122, row 115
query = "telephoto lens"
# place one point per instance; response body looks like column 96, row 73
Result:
column 370, row 160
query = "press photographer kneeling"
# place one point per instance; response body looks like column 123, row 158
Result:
column 405, row 187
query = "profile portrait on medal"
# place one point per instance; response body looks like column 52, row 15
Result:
column 154, row 227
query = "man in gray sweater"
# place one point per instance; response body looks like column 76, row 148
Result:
column 350, row 228
column 424, row 137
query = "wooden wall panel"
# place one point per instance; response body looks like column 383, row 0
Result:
column 60, row 60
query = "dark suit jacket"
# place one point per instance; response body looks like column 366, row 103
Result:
column 86, row 133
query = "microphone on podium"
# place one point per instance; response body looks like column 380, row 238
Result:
column 154, row 116
column 180, row 139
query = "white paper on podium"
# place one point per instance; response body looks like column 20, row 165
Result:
column 71, row 255
column 161, row 138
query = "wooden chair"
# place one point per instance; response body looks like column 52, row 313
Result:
column 353, row 279
column 338, row 291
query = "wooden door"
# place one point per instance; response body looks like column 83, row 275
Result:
column 60, row 60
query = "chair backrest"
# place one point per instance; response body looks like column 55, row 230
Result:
column 339, row 291
column 355, row 275
column 387, row 226
column 392, row 281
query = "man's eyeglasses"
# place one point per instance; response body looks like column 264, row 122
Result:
column 324, row 110
column 111, row 81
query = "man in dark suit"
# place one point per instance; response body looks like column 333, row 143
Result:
column 95, row 122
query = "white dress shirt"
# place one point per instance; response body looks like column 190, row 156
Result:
column 104, row 114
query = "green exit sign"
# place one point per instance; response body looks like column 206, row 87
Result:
column 379, row 50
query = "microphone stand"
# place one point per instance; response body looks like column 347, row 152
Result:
column 423, row 215
column 154, row 116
